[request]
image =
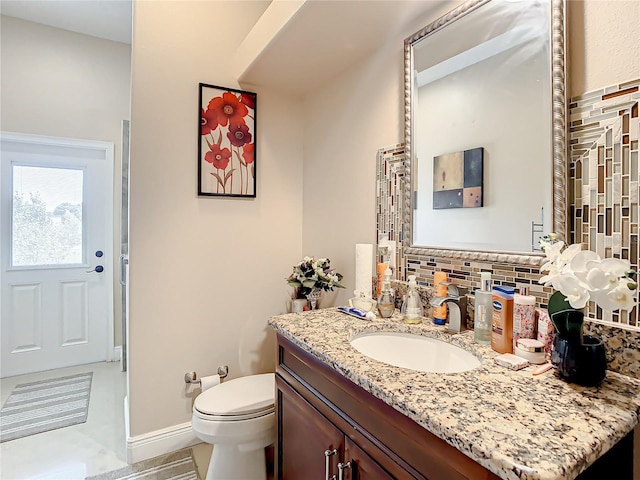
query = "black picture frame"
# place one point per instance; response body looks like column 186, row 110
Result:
column 227, row 160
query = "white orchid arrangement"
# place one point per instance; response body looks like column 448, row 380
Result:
column 580, row 276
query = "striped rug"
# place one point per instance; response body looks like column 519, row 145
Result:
column 173, row 466
column 46, row 405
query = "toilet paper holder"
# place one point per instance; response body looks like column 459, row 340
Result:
column 192, row 377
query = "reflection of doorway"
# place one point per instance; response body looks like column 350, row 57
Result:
column 56, row 276
column 124, row 243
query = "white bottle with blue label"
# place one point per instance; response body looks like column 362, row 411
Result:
column 483, row 311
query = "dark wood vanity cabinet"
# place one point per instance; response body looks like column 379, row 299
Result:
column 325, row 420
column 310, row 446
column 361, row 466
column 330, row 428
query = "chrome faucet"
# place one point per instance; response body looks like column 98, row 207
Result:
column 457, row 300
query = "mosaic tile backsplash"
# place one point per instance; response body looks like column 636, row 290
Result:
column 604, row 191
column 389, row 202
column 604, row 178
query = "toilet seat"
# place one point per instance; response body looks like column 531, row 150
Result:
column 242, row 398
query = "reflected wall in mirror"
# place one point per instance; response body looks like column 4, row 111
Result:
column 489, row 74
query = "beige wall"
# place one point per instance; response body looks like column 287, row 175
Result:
column 361, row 111
column 603, row 49
column 205, row 273
column 65, row 84
column 346, row 123
column 603, row 43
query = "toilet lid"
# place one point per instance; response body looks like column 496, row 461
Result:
column 240, row 396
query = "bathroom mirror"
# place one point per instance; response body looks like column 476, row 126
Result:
column 485, row 132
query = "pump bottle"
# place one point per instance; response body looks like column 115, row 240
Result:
column 483, row 311
column 412, row 305
column 386, row 303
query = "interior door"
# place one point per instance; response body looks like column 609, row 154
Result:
column 56, row 198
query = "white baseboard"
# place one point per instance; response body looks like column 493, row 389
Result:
column 159, row 442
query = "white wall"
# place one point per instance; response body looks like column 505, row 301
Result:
column 65, row 84
column 205, row 273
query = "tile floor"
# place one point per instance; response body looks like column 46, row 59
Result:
column 78, row 451
column 74, row 452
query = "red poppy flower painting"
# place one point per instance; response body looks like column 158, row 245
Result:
column 227, row 109
column 226, row 150
column 218, row 157
column 247, row 153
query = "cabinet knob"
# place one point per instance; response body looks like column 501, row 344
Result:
column 341, row 468
column 327, row 462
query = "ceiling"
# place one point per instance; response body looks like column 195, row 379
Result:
column 109, row 19
column 326, row 37
column 322, row 39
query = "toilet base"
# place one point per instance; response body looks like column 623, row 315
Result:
column 228, row 462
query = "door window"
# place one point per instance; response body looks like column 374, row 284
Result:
column 47, row 226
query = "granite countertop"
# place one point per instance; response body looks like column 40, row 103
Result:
column 517, row 425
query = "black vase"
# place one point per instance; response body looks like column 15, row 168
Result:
column 582, row 363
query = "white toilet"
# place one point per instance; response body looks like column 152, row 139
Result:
column 238, row 418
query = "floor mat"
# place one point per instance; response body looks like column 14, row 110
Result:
column 172, row 466
column 38, row 407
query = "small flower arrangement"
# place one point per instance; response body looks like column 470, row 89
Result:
column 313, row 274
column 580, row 276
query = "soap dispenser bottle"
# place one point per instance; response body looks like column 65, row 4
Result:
column 412, row 305
column 483, row 311
column 386, row 300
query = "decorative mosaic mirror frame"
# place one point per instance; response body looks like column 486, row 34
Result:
column 559, row 128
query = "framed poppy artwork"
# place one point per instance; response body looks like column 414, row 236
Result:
column 227, row 142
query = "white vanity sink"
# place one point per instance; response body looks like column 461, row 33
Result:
column 424, row 354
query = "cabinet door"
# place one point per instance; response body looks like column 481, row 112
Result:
column 361, row 465
column 303, row 437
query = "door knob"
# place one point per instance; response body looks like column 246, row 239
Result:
column 98, row 269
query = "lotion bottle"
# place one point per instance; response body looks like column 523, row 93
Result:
column 412, row 305
column 502, row 319
column 483, row 311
